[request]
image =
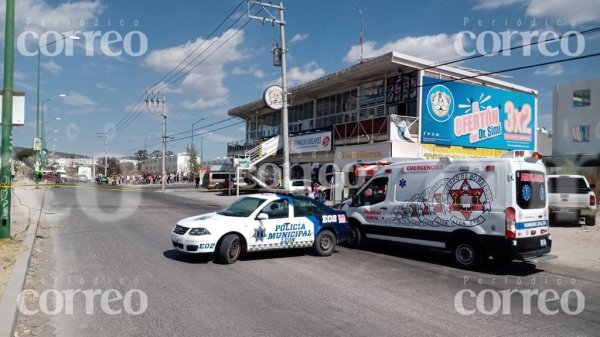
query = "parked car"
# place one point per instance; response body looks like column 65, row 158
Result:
column 299, row 186
column 571, row 198
column 101, row 180
column 215, row 180
column 259, row 222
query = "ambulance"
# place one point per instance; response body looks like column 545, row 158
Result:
column 473, row 208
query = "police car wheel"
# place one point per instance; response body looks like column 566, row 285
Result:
column 229, row 249
column 325, row 243
column 355, row 238
column 467, row 255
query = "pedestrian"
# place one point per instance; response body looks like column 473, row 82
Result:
column 315, row 191
column 197, row 178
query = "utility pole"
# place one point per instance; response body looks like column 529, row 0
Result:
column 7, row 111
column 164, row 144
column 284, row 108
column 105, row 135
column 164, row 135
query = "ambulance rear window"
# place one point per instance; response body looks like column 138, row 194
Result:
column 531, row 189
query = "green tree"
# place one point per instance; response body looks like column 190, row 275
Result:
column 27, row 156
column 127, row 167
column 193, row 155
column 114, row 166
column 141, row 155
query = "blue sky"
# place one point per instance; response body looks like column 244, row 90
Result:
column 323, row 36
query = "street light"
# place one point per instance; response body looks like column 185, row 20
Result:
column 146, row 145
column 44, row 139
column 196, row 122
column 44, row 129
column 38, row 128
column 48, row 100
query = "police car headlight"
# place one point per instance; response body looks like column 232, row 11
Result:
column 199, row 231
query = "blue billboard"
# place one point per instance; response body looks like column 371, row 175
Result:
column 471, row 115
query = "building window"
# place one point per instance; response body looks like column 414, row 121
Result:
column 335, row 109
column 581, row 133
column 581, row 98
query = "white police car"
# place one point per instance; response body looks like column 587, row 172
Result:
column 262, row 222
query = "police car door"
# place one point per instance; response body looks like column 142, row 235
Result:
column 277, row 229
column 371, row 206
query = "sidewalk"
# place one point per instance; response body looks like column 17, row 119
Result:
column 15, row 252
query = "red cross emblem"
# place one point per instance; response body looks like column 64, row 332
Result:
column 466, row 199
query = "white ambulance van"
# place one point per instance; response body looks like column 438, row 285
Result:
column 474, row 208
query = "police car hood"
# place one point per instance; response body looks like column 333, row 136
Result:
column 208, row 220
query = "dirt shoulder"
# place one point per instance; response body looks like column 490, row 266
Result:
column 577, row 246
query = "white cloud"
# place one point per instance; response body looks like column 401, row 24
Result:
column 579, row 11
column 493, row 4
column 309, row 71
column 298, row 75
column 38, row 16
column 438, row 47
column 202, row 103
column 205, row 80
column 52, row 67
column 78, row 100
column 253, row 70
column 298, row 38
column 104, row 86
column 551, row 70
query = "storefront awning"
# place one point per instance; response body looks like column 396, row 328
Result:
column 366, row 170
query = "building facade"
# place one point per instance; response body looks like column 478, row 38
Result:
column 576, row 118
column 395, row 105
column 175, row 164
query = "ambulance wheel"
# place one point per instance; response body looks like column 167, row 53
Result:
column 325, row 243
column 590, row 220
column 355, row 239
column 467, row 255
column 229, row 249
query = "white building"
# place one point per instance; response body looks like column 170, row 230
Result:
column 178, row 163
column 576, row 118
column 72, row 162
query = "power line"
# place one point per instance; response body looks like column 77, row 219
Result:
column 167, row 84
column 512, row 69
column 478, row 55
column 205, row 126
column 207, row 132
column 131, row 116
column 138, row 113
column 173, row 81
column 200, row 45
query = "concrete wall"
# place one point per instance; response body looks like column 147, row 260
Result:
column 565, row 117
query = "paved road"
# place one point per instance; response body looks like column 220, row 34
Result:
column 108, row 239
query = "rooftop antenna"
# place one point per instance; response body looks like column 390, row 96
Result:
column 361, row 32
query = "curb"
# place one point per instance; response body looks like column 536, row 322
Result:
column 16, row 282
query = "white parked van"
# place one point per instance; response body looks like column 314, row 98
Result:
column 474, row 208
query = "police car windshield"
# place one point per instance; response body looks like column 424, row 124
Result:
column 242, row 207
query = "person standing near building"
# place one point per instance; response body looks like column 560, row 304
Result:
column 197, row 178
